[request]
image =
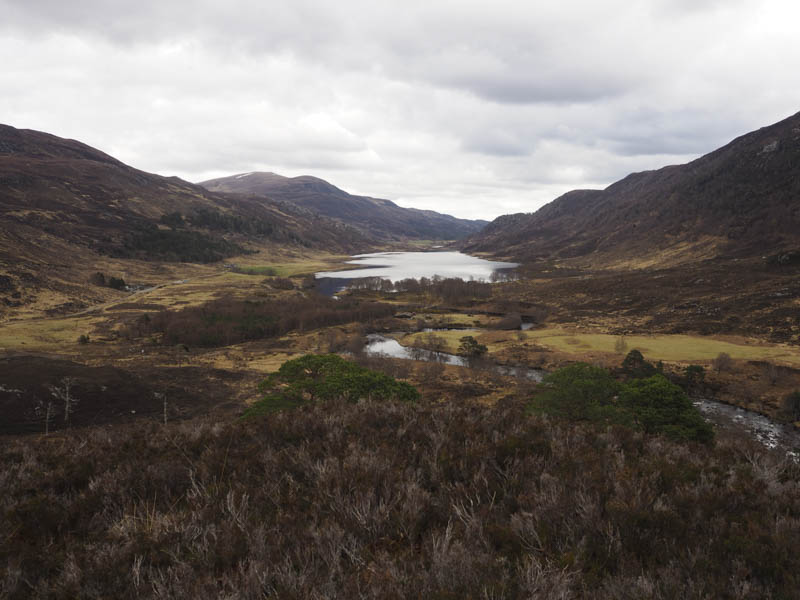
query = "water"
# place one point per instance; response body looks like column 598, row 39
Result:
column 379, row 345
column 397, row 266
column 763, row 429
column 769, row 433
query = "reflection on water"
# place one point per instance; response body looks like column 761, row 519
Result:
column 397, row 266
column 378, row 345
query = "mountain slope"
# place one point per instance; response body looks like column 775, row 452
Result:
column 374, row 216
column 64, row 204
column 741, row 200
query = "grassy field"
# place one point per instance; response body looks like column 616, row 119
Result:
column 670, row 348
column 51, row 335
column 297, row 267
column 451, row 337
column 675, row 348
column 31, row 332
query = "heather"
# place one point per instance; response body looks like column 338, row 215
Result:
column 383, row 499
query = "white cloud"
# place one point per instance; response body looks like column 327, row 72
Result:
column 466, row 107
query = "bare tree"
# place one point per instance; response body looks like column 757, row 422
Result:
column 620, row 346
column 163, row 397
column 723, row 362
column 791, row 406
column 44, row 410
column 772, row 373
column 64, row 394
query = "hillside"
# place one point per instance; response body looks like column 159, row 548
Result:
column 742, row 200
column 373, row 216
column 65, row 206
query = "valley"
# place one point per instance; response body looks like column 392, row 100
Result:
column 218, row 345
column 764, row 369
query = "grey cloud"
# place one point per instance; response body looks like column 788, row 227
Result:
column 469, row 107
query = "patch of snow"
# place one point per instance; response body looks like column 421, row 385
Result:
column 243, row 175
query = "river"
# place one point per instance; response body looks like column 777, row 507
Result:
column 769, row 433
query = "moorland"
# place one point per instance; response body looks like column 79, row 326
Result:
column 184, row 414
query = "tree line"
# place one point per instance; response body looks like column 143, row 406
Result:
column 449, row 289
column 228, row 321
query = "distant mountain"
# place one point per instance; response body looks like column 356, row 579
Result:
column 64, row 204
column 373, row 216
column 742, row 200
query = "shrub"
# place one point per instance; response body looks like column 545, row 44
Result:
column 394, row 500
column 723, row 362
column 83, row 339
column 281, row 283
column 116, row 283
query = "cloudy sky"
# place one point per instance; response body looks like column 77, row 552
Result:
column 472, row 108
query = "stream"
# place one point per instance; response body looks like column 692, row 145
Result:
column 769, row 433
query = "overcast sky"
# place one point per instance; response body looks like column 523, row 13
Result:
column 472, row 108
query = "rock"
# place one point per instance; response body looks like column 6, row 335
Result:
column 771, row 147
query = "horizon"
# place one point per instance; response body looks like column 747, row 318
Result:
column 403, row 205
column 473, row 111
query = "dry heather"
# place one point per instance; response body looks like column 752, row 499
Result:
column 394, row 501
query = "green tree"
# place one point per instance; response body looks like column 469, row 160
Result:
column 578, row 392
column 470, row 347
column 658, row 406
column 635, row 366
column 653, row 404
column 694, row 376
column 324, row 377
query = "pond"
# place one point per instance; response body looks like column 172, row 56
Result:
column 396, row 266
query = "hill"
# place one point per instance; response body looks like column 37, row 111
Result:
column 373, row 216
column 742, row 200
column 65, row 205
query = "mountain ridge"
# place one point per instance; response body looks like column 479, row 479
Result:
column 65, row 206
column 740, row 200
column 371, row 215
